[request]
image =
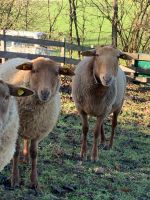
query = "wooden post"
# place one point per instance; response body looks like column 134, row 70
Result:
column 63, row 51
column 3, row 44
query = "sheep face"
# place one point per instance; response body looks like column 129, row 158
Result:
column 6, row 91
column 44, row 77
column 105, row 63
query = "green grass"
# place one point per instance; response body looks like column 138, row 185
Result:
column 122, row 173
column 38, row 20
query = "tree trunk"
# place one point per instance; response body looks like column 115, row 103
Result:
column 75, row 22
column 26, row 14
column 70, row 25
column 114, row 23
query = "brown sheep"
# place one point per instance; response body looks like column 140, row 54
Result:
column 98, row 89
column 39, row 113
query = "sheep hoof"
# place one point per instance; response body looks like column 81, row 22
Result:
column 15, row 183
column 36, row 188
column 83, row 157
column 34, row 185
column 7, row 184
column 107, row 147
column 94, row 159
column 102, row 146
column 103, row 141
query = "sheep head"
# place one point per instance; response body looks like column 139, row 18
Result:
column 44, row 76
column 105, row 65
column 6, row 91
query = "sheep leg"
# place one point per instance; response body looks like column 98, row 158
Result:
column 85, row 129
column 103, row 139
column 114, row 124
column 26, row 151
column 97, row 132
column 33, row 155
column 15, row 170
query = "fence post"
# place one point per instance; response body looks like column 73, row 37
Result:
column 3, row 44
column 63, row 51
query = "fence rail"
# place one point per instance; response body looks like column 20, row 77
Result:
column 8, row 54
column 64, row 45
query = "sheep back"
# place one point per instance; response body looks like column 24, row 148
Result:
column 8, row 71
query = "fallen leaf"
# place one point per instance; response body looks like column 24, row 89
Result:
column 125, row 189
column 99, row 170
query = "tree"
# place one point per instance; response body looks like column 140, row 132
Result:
column 52, row 18
column 10, row 11
column 132, row 24
column 29, row 15
column 114, row 23
column 73, row 19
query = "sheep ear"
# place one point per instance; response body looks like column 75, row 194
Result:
column 25, row 66
column 89, row 53
column 66, row 71
column 124, row 56
column 19, row 91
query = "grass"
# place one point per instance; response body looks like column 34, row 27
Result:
column 122, row 173
column 38, row 21
column 96, row 29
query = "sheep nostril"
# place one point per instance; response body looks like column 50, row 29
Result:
column 107, row 79
column 45, row 94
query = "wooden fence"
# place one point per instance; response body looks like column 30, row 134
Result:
column 63, row 45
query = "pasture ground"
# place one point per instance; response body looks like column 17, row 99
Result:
column 122, row 173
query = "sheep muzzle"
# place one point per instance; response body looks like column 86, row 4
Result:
column 106, row 80
column 44, row 95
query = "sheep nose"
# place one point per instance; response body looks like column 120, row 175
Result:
column 45, row 94
column 107, row 79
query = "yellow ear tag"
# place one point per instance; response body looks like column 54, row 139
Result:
column 20, row 92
